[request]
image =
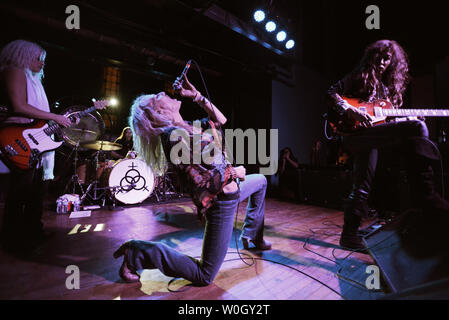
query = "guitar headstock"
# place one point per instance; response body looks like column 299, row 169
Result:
column 101, row 104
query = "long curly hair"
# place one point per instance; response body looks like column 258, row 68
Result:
column 396, row 77
column 21, row 54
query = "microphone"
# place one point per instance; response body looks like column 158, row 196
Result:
column 184, row 72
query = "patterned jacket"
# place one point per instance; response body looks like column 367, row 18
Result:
column 205, row 178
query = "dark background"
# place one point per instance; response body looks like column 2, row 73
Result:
column 256, row 87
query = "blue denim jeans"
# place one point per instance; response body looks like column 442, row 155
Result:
column 217, row 236
column 254, row 187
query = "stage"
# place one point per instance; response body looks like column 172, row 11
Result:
column 305, row 252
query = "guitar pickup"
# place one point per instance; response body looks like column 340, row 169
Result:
column 22, row 145
column 33, row 139
column 11, row 151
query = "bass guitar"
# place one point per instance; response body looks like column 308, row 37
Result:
column 380, row 111
column 22, row 144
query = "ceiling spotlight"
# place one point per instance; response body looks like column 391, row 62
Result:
column 281, row 36
column 290, row 44
column 113, row 102
column 259, row 16
column 270, row 26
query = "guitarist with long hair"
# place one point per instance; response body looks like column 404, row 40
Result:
column 383, row 74
column 21, row 72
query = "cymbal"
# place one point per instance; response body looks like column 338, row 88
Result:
column 81, row 132
column 73, row 135
column 102, row 146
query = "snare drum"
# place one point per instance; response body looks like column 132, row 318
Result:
column 131, row 181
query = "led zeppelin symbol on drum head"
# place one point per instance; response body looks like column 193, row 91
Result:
column 133, row 181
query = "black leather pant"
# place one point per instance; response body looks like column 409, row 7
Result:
column 411, row 139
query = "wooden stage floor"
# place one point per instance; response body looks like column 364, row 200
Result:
column 305, row 249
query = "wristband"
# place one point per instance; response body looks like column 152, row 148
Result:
column 197, row 97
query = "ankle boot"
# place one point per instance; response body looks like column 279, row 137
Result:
column 125, row 272
column 259, row 244
column 350, row 239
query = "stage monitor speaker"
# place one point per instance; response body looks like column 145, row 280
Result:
column 412, row 250
column 430, row 291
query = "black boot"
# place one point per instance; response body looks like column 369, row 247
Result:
column 350, row 239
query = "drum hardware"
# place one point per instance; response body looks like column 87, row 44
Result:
column 132, row 179
column 105, row 194
column 86, row 129
column 103, row 146
column 165, row 189
column 83, row 135
column 93, row 185
column 74, row 180
column 129, row 181
column 94, row 191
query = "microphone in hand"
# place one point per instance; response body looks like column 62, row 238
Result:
column 180, row 80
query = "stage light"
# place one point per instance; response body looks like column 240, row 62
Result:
column 259, row 16
column 290, row 44
column 113, row 102
column 281, row 36
column 270, row 26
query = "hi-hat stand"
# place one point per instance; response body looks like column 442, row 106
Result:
column 94, row 191
column 74, row 180
column 165, row 189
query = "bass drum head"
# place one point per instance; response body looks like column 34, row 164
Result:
column 133, row 181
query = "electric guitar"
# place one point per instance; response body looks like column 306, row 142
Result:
column 22, row 144
column 379, row 111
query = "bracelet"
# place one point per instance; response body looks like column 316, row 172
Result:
column 197, row 97
column 200, row 99
column 204, row 100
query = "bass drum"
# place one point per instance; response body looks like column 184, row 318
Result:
column 131, row 181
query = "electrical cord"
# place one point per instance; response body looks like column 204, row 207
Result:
column 328, row 137
column 204, row 84
column 279, row 263
column 340, row 264
column 254, row 259
column 236, row 220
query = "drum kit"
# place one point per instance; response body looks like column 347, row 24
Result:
column 97, row 179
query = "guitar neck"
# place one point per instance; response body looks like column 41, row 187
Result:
column 415, row 113
column 55, row 127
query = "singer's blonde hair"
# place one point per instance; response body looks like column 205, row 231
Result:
column 21, row 54
column 147, row 126
column 147, row 123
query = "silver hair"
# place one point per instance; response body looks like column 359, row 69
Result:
column 21, row 54
column 147, row 126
